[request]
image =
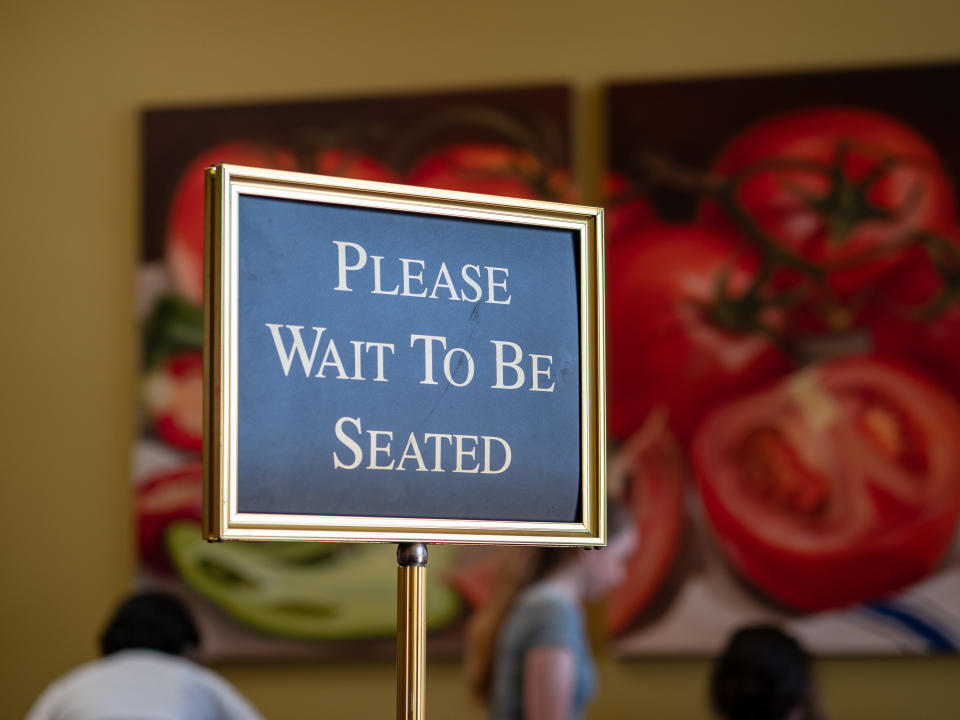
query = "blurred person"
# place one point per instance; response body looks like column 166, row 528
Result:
column 144, row 672
column 764, row 674
column 528, row 654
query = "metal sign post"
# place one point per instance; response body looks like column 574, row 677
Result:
column 411, row 629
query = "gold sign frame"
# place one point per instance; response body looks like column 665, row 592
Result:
column 225, row 184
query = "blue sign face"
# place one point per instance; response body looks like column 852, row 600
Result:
column 395, row 364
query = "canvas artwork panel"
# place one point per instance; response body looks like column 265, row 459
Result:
column 783, row 338
column 273, row 599
column 783, row 309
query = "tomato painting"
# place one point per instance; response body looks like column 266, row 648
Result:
column 916, row 316
column 161, row 499
column 783, row 284
column 653, row 473
column 184, row 232
column 173, row 396
column 491, row 169
column 837, row 485
column 352, row 164
column 295, row 600
column 625, row 209
column 842, row 188
column 782, row 341
column 682, row 331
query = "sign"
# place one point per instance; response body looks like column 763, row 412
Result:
column 397, row 364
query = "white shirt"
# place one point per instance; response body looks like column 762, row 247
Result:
column 142, row 685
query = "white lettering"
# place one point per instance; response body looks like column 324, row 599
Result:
column 286, row 358
column 492, row 286
column 449, row 374
column 357, row 348
column 513, row 365
column 508, row 456
column 463, row 458
column 349, row 442
column 408, row 276
column 331, row 358
column 352, row 257
column 342, row 266
column 428, row 341
column 536, row 372
column 437, row 437
column 380, row 347
column 375, row 449
column 447, row 283
column 412, row 450
column 461, row 453
column 377, row 290
column 474, row 283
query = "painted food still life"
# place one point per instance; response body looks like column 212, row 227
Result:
column 783, row 309
column 783, row 357
column 282, row 600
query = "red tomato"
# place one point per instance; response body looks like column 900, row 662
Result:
column 918, row 318
column 837, row 485
column 165, row 497
column 850, row 217
column 184, row 238
column 654, row 475
column 352, row 164
column 625, row 210
column 492, row 169
column 670, row 342
column 174, row 400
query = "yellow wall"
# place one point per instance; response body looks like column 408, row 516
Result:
column 73, row 76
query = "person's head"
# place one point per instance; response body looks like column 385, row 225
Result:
column 598, row 572
column 762, row 674
column 601, row 569
column 150, row 621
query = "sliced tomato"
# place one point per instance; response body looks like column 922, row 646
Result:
column 652, row 473
column 174, row 400
column 839, row 187
column 492, row 169
column 184, row 233
column 165, row 497
column 675, row 336
column 837, row 485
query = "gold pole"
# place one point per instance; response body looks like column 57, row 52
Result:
column 411, row 629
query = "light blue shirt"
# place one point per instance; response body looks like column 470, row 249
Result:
column 540, row 617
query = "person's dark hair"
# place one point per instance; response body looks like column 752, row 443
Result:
column 762, row 674
column 150, row 621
